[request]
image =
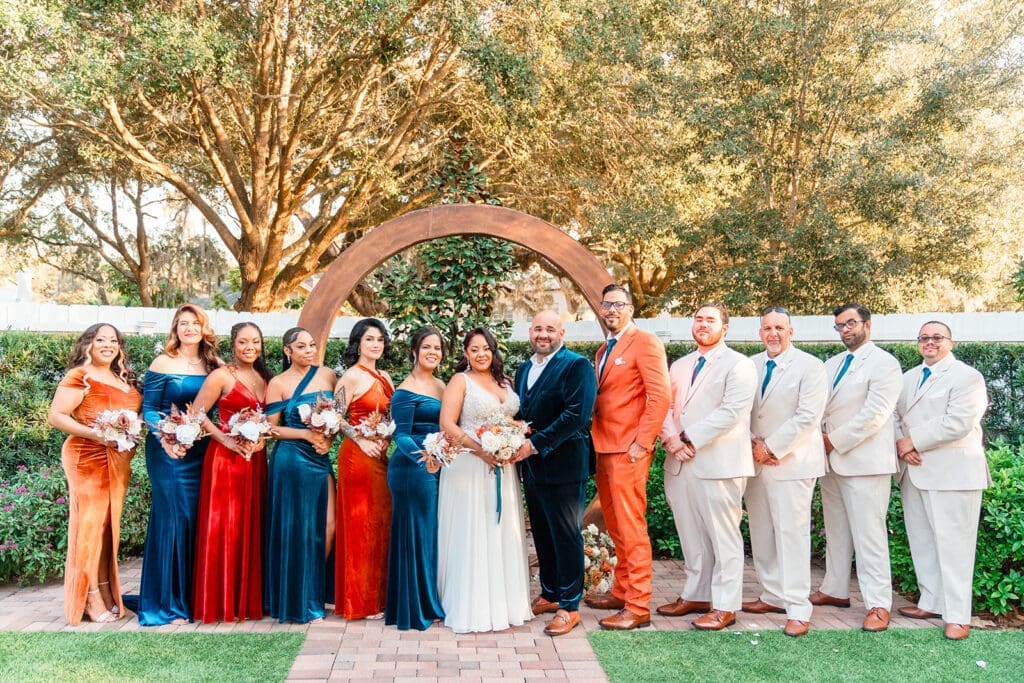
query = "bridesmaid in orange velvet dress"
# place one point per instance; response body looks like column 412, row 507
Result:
column 364, row 501
column 228, row 583
column 97, row 472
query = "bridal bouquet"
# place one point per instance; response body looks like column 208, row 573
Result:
column 123, row 427
column 439, row 450
column 501, row 436
column 179, row 430
column 323, row 416
column 249, row 424
column 598, row 560
column 377, row 426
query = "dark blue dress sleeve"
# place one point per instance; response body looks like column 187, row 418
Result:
column 403, row 412
column 153, row 387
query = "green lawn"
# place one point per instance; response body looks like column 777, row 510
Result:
column 147, row 656
column 898, row 654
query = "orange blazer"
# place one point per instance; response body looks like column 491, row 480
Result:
column 633, row 394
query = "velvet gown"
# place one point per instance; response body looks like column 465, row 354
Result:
column 412, row 598
column 364, row 515
column 229, row 572
column 97, row 483
column 297, row 578
column 165, row 591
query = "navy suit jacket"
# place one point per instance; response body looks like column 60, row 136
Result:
column 558, row 408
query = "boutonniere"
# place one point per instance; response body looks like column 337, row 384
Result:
column 620, row 361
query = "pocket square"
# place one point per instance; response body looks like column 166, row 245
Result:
column 619, row 361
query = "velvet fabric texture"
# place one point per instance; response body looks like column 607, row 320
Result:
column 229, row 572
column 364, row 515
column 298, row 578
column 412, row 597
column 165, row 591
column 97, row 483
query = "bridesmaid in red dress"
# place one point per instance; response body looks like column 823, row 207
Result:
column 97, row 472
column 228, row 581
column 364, row 501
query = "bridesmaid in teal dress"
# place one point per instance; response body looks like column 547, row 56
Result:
column 174, row 377
column 298, row 564
column 412, row 597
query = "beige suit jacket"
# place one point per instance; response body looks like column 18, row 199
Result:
column 943, row 419
column 859, row 413
column 714, row 412
column 788, row 415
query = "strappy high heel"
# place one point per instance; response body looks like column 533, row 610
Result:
column 115, row 610
column 105, row 618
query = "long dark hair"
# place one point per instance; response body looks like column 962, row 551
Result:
column 260, row 364
column 417, row 338
column 288, row 339
column 80, row 353
column 351, row 354
column 497, row 363
column 208, row 345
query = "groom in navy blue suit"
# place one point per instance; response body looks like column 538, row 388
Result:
column 556, row 389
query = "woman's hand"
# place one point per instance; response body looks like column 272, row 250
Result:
column 370, row 447
column 173, row 449
column 321, row 444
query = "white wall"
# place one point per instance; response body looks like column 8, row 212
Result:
column 1005, row 327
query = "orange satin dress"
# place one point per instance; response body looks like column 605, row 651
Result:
column 97, row 483
column 364, row 516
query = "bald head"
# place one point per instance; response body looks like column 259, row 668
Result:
column 546, row 333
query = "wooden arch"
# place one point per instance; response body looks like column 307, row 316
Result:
column 397, row 235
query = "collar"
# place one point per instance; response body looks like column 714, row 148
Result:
column 715, row 351
column 618, row 337
column 942, row 365
column 862, row 351
column 543, row 360
column 779, row 358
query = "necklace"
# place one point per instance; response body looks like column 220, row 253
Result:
column 198, row 362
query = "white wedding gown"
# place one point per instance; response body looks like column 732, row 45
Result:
column 482, row 571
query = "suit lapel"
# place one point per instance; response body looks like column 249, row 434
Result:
column 551, row 369
column 936, row 377
column 780, row 369
column 620, row 349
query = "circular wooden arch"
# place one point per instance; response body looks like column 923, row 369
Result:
column 397, row 235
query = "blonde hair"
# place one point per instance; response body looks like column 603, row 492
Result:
column 207, row 345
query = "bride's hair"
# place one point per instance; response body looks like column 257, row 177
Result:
column 497, row 364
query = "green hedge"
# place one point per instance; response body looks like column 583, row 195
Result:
column 32, row 487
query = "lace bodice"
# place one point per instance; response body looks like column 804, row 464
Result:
column 479, row 404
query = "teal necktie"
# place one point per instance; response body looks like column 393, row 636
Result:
column 767, row 375
column 924, row 377
column 607, row 352
column 842, row 370
column 697, row 368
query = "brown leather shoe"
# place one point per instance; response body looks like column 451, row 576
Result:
column 715, row 620
column 957, row 631
column 761, row 607
column 604, row 601
column 819, row 598
column 877, row 619
column 681, row 607
column 625, row 620
column 540, row 605
column 915, row 612
column 563, row 622
column 796, row 628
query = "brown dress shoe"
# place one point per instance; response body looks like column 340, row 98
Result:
column 715, row 620
column 915, row 612
column 819, row 598
column 957, row 631
column 604, row 601
column 563, row 622
column 681, row 607
column 796, row 628
column 625, row 620
column 877, row 619
column 761, row 607
column 540, row 605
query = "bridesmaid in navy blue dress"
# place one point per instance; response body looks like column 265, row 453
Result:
column 174, row 377
column 298, row 562
column 412, row 597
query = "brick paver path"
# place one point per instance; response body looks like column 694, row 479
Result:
column 364, row 650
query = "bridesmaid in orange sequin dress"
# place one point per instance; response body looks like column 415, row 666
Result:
column 364, row 501
column 228, row 578
column 97, row 472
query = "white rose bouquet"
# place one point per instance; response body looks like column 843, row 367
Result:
column 123, row 427
column 179, row 430
column 249, row 425
column 439, row 450
column 501, row 436
column 598, row 560
column 323, row 416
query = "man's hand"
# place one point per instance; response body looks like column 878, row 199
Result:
column 636, row 451
column 524, row 452
column 828, row 443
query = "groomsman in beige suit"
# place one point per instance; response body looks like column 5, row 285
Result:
column 942, row 474
column 785, row 428
column 707, row 436
column 864, row 384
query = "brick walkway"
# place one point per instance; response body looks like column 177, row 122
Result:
column 361, row 650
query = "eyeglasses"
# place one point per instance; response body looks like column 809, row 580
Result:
column 617, row 305
column 848, row 325
column 934, row 339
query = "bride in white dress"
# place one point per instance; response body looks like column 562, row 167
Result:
column 482, row 571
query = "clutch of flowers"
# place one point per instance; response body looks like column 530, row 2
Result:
column 501, row 436
column 377, row 426
column 439, row 450
column 123, row 427
column 598, row 560
column 323, row 415
column 180, row 429
column 249, row 424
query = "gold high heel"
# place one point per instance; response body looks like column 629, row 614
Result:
column 104, row 618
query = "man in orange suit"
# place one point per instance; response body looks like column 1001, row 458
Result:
column 633, row 397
